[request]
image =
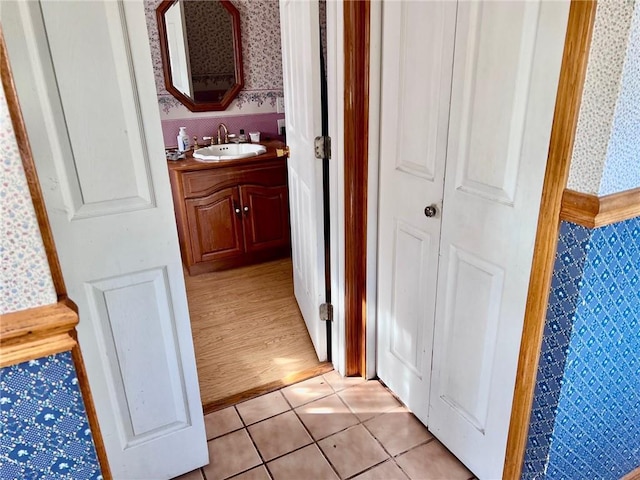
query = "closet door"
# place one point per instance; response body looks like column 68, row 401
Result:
column 85, row 82
column 505, row 77
column 417, row 61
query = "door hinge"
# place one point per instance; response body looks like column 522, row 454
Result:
column 323, row 147
column 326, row 312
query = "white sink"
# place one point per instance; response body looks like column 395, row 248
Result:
column 228, row 151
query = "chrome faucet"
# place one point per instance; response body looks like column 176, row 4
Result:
column 226, row 134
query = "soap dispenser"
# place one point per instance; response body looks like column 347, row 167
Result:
column 183, row 140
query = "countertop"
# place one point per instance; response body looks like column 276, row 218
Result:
column 190, row 164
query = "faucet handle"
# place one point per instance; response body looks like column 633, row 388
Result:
column 211, row 142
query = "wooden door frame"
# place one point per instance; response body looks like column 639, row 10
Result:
column 356, row 155
column 356, row 161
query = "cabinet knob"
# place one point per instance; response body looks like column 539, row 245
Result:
column 246, row 209
column 237, row 211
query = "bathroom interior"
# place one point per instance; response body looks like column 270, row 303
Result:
column 232, row 213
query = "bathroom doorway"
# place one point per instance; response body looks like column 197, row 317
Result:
column 249, row 333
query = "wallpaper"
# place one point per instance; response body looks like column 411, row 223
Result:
column 45, row 434
column 587, row 402
column 210, row 53
column 262, row 61
column 622, row 166
column 601, row 90
column 25, row 278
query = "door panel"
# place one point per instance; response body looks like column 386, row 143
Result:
column 215, row 225
column 134, row 310
column 417, row 60
column 474, row 292
column 105, row 168
column 491, row 123
column 266, row 221
column 300, row 37
column 85, row 83
column 505, row 78
column 408, row 306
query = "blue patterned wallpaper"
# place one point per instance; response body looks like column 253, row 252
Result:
column 45, row 433
column 586, row 416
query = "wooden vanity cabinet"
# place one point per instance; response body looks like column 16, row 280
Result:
column 231, row 214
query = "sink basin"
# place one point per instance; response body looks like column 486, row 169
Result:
column 228, row 151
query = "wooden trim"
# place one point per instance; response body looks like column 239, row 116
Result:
column 325, row 367
column 592, row 211
column 37, row 332
column 190, row 103
column 29, row 166
column 356, row 134
column 572, row 76
column 83, row 381
column 633, row 475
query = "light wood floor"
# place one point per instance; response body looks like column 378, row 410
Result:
column 247, row 329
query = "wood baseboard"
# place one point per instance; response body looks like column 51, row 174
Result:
column 592, row 211
column 325, row 367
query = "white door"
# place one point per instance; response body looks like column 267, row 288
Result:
column 85, row 82
column 417, row 60
column 299, row 23
column 505, row 78
column 178, row 48
column 505, row 74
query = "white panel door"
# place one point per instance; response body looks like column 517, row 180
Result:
column 299, row 23
column 84, row 78
column 505, row 77
column 417, row 60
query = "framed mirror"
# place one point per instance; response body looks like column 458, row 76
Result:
column 201, row 52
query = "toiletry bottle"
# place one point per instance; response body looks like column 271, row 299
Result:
column 242, row 137
column 183, row 140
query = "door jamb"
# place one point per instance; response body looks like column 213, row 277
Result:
column 356, row 152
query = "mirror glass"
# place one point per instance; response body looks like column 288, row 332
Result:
column 201, row 52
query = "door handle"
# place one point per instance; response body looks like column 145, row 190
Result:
column 430, row 211
column 283, row 152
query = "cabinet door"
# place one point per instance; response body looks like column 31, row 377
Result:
column 215, row 225
column 266, row 217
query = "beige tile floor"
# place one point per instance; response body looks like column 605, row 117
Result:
column 327, row 427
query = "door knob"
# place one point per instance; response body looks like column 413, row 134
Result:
column 430, row 211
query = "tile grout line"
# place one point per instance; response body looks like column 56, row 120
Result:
column 264, row 463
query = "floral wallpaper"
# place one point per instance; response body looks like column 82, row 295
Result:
column 210, row 54
column 601, row 89
column 25, row 278
column 45, row 433
column 622, row 165
column 261, row 52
